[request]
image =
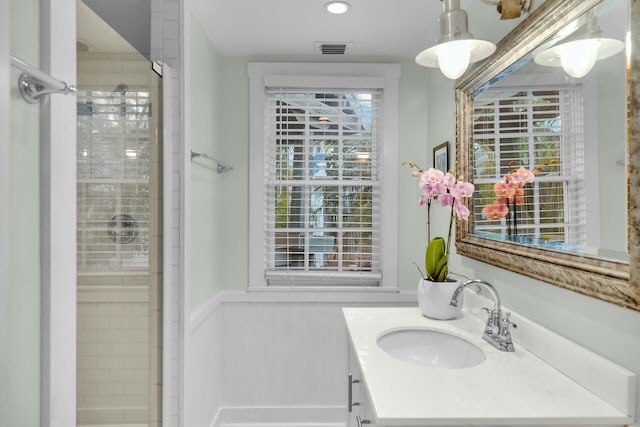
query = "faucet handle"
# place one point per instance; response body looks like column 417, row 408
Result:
column 492, row 324
column 505, row 340
column 507, row 321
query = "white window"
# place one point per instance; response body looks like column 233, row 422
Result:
column 535, row 127
column 114, row 166
column 323, row 175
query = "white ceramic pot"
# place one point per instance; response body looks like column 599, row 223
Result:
column 434, row 299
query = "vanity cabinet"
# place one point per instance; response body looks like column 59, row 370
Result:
column 505, row 388
column 359, row 410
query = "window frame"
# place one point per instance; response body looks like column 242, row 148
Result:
column 324, row 76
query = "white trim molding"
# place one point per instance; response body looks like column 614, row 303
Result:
column 270, row 416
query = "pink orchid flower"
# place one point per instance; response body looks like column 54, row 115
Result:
column 449, row 180
column 462, row 189
column 522, row 175
column 504, row 190
column 446, row 199
column 431, row 176
column 462, row 212
column 519, row 193
column 498, row 209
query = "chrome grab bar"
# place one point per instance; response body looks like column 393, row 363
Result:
column 220, row 166
column 33, row 83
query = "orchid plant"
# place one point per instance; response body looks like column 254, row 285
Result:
column 509, row 194
column 449, row 191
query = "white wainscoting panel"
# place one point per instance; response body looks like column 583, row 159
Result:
column 203, row 365
column 272, row 358
column 284, row 354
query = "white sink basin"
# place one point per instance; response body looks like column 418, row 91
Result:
column 431, row 348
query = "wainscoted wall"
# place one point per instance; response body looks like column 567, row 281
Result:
column 203, row 364
column 272, row 357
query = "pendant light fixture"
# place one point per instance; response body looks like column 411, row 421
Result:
column 578, row 53
column 456, row 47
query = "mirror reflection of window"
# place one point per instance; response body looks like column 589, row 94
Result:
column 541, row 130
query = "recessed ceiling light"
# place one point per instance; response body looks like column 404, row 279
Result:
column 337, row 7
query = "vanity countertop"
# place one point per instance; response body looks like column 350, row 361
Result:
column 507, row 388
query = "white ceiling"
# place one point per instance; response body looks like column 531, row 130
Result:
column 377, row 28
column 291, row 28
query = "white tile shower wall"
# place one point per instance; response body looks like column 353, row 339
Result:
column 171, row 11
column 113, row 350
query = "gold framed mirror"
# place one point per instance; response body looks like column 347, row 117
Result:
column 583, row 271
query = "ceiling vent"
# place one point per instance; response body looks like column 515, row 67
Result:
column 333, row 48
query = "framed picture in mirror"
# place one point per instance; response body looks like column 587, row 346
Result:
column 441, row 157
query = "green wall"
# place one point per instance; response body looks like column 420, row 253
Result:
column 415, row 145
column 612, row 144
column 207, row 201
column 234, row 237
column 20, row 375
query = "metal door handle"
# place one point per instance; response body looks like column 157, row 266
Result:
column 351, row 403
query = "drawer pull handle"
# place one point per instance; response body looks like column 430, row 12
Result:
column 350, row 402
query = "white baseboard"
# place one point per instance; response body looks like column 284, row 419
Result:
column 297, row 424
column 329, row 416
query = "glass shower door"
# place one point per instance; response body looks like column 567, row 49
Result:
column 119, row 231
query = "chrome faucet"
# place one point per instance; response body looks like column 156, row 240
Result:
column 497, row 331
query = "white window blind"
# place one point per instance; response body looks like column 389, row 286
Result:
column 322, row 186
column 114, row 165
column 532, row 127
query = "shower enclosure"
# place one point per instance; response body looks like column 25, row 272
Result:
column 119, row 241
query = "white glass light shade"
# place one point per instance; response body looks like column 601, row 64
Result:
column 578, row 57
column 455, row 54
column 453, row 58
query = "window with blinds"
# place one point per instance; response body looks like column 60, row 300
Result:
column 322, row 161
column 113, row 188
column 537, row 127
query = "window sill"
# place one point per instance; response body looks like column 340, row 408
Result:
column 325, row 294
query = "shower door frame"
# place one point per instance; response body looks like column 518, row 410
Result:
column 58, row 217
column 57, row 171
